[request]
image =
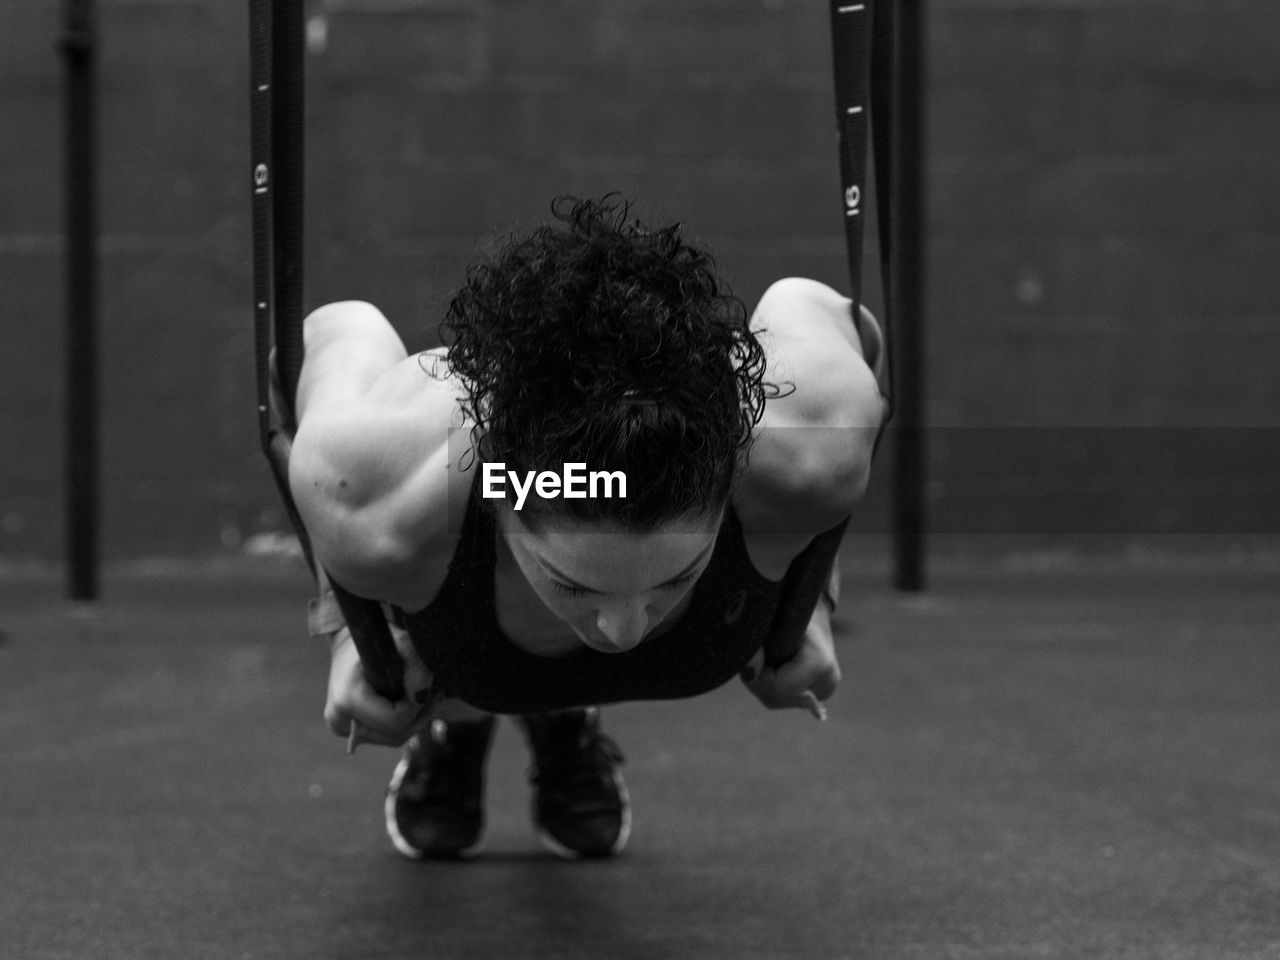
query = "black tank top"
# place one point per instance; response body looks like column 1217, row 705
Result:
column 458, row 637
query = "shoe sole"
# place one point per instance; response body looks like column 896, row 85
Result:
column 399, row 840
column 567, row 853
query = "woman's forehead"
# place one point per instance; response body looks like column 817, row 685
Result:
column 578, row 548
column 548, row 525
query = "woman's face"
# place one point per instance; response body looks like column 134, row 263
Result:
column 612, row 586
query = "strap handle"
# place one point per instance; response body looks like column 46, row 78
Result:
column 801, row 588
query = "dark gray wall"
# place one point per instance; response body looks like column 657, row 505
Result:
column 1104, row 230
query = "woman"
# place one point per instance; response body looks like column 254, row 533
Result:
column 598, row 345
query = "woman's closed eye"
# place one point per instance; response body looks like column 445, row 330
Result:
column 571, row 591
column 568, row 591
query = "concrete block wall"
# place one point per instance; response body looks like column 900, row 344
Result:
column 1104, row 229
column 1104, row 292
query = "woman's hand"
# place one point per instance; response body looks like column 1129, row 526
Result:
column 808, row 678
column 351, row 701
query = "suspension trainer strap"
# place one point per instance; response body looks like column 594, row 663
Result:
column 851, row 31
column 862, row 35
column 884, row 68
column 907, row 286
column 276, row 30
column 862, row 48
column 260, row 159
column 275, row 414
column 288, row 150
column 801, row 588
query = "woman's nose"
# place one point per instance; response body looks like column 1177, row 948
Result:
column 623, row 626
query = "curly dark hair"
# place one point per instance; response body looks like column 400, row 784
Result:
column 598, row 340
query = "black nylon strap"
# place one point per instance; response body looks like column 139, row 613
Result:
column 276, row 29
column 801, row 588
column 287, row 152
column 884, row 66
column 260, row 179
column 862, row 37
column 851, row 31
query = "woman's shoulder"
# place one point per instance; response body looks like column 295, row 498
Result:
column 377, row 481
column 811, row 451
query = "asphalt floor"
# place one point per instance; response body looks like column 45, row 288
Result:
column 1025, row 761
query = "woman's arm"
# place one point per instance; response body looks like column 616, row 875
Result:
column 370, row 475
column 811, row 458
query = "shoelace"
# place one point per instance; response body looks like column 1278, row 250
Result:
column 442, row 769
column 578, row 769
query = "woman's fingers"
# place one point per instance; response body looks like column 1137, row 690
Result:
column 417, row 721
column 778, row 692
column 824, row 682
column 352, row 702
column 376, row 720
column 801, row 683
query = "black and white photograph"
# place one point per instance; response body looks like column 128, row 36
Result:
column 639, row 480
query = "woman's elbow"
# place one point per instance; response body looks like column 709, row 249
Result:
column 827, row 485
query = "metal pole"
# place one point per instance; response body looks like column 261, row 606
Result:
column 82, row 302
column 908, row 279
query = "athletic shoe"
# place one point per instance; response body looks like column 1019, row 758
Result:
column 580, row 803
column 435, row 801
